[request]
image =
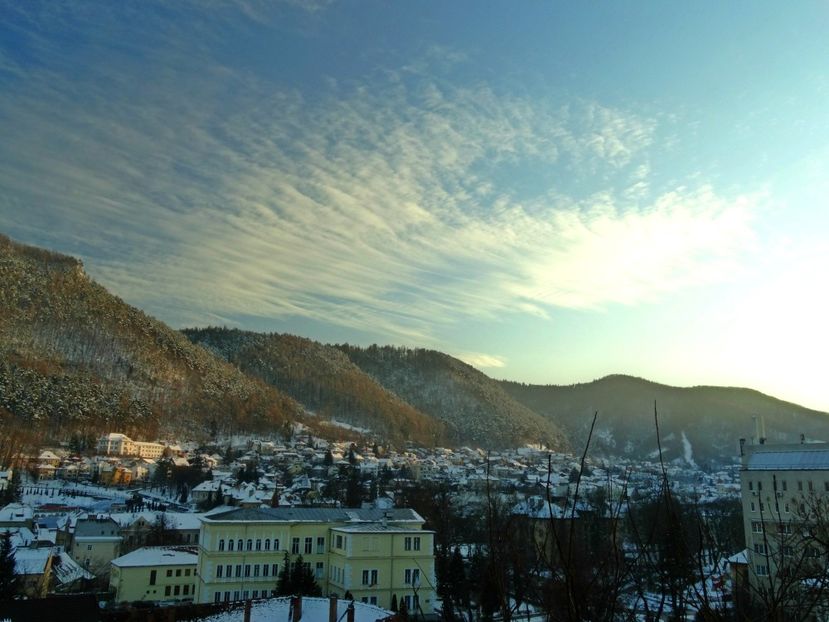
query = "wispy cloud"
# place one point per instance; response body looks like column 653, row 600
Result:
column 391, row 206
column 481, row 360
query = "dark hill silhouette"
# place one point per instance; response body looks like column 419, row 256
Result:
column 713, row 419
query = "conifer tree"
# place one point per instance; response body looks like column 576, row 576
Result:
column 304, row 582
column 8, row 579
column 284, row 585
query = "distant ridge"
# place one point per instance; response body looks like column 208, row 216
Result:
column 712, row 419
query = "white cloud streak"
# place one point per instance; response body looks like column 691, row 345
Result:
column 390, row 206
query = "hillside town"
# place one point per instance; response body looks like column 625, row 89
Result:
column 155, row 523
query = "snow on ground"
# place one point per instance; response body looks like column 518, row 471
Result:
column 313, row 610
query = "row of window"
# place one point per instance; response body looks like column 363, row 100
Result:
column 179, row 572
column 782, row 528
column 179, row 590
column 226, row 571
column 219, row 597
column 784, row 485
column 786, row 507
column 265, row 545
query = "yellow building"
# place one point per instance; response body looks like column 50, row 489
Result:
column 241, row 552
column 155, row 573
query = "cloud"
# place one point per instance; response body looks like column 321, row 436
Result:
column 481, row 360
column 394, row 206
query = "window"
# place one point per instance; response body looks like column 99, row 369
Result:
column 276, row 544
column 760, row 548
column 417, row 543
column 309, row 545
column 762, row 570
column 826, row 486
column 178, row 572
column 238, row 570
column 372, row 600
column 258, row 544
column 750, row 485
column 245, row 595
column 759, row 485
column 167, row 590
column 227, row 597
column 219, row 569
column 407, row 543
column 255, row 594
column 320, row 545
column 786, row 508
column 186, row 590
column 265, row 570
column 169, row 572
column 753, row 507
column 784, row 528
column 247, row 570
column 239, row 543
column 267, row 544
column 152, row 577
column 412, row 576
column 339, row 542
column 186, row 572
column 235, row 594
column 250, row 545
column 756, row 526
column 762, row 507
column 230, row 545
column 787, row 550
column 88, row 547
column 176, row 590
column 274, row 569
column 217, row 597
column 228, row 572
column 320, row 570
column 785, row 485
column 800, row 486
column 221, row 548
column 295, row 546
column 369, row 577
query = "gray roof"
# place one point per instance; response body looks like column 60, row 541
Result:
column 379, row 528
column 315, row 515
column 801, row 459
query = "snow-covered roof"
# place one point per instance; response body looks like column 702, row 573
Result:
column 793, row 458
column 31, row 561
column 313, row 610
column 158, row 556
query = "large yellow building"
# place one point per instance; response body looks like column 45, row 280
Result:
column 372, row 554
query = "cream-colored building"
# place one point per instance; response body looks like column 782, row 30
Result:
column 785, row 496
column 95, row 542
column 157, row 573
column 373, row 554
column 117, row 444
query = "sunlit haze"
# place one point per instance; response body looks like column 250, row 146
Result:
column 551, row 192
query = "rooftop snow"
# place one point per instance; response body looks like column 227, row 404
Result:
column 313, row 610
column 801, row 459
column 158, row 556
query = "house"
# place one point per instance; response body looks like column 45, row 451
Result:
column 94, row 543
column 161, row 573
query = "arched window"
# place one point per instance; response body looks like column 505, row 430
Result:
column 222, row 544
column 276, row 544
column 267, row 544
column 241, row 544
column 230, row 545
column 258, row 544
column 250, row 545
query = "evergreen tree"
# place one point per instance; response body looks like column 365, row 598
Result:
column 329, row 458
column 304, row 582
column 353, row 490
column 8, row 579
column 285, row 585
column 393, row 606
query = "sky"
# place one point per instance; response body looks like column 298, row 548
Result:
column 552, row 192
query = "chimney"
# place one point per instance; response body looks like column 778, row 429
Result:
column 332, row 609
column 296, row 602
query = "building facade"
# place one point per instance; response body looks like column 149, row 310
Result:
column 242, row 551
column 151, row 574
column 785, row 499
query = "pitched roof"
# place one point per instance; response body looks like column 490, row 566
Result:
column 315, row 515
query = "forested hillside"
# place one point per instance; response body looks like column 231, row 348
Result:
column 696, row 423
column 73, row 357
column 474, row 407
column 324, row 380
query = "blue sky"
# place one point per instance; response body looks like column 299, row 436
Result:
column 552, row 192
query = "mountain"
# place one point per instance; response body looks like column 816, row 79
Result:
column 75, row 358
column 475, row 408
column 324, row 380
column 699, row 424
